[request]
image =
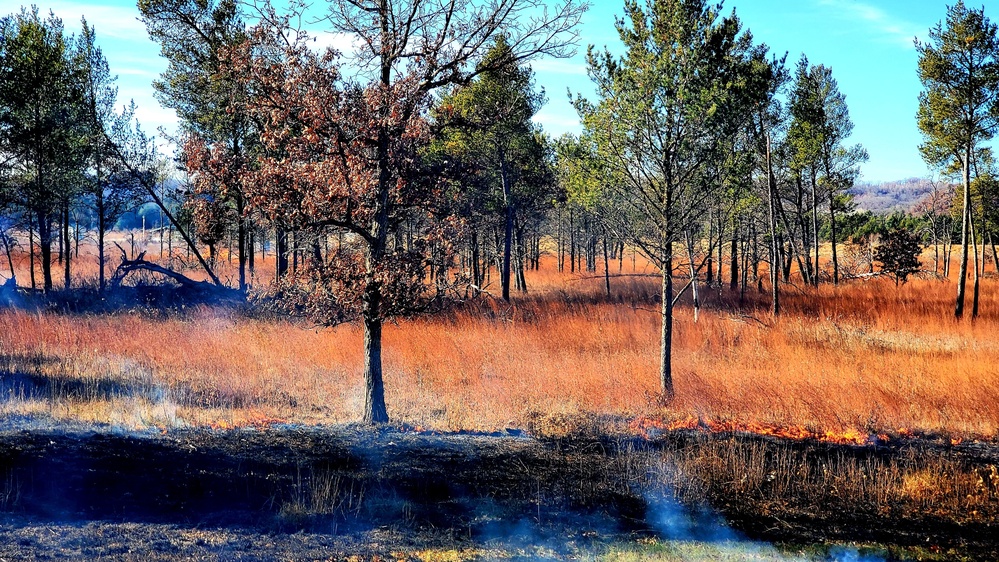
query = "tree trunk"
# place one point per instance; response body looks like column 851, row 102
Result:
column 755, row 242
column 10, row 259
column 374, row 387
column 76, row 237
column 281, row 252
column 374, row 395
column 101, row 254
column 559, row 243
column 965, row 218
column 733, row 268
column 693, row 276
column 936, row 250
column 792, row 254
column 947, row 250
column 721, row 248
column 66, row 252
column 666, row 349
column 815, row 227
column 606, row 267
column 241, row 241
column 476, row 272
column 31, row 252
column 805, row 253
column 832, row 236
column 979, row 267
column 572, row 242
column 507, row 229
column 45, row 245
column 161, row 229
column 774, row 240
column 59, row 237
column 745, row 271
column 521, row 281
column 995, row 253
column 251, row 250
column 709, row 262
column 588, row 255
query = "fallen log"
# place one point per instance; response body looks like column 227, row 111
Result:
column 203, row 289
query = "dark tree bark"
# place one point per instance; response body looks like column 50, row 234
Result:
column 66, row 245
column 962, row 275
column 832, row 236
column 507, row 229
column 45, row 245
column 666, row 347
column 281, row 251
column 606, row 267
column 733, row 267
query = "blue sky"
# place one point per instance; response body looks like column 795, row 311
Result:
column 867, row 43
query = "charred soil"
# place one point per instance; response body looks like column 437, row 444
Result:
column 335, row 492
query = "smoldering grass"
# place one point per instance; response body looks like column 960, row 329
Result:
column 10, row 490
column 817, row 480
column 319, row 496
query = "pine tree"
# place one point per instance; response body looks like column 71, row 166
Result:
column 684, row 84
column 111, row 187
column 959, row 106
column 40, row 125
column 898, row 254
column 487, row 126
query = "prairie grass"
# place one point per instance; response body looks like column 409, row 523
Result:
column 863, row 356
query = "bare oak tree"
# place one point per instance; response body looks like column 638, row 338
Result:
column 407, row 49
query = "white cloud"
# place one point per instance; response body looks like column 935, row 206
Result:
column 131, row 55
column 343, row 42
column 119, row 22
column 140, row 72
column 886, row 27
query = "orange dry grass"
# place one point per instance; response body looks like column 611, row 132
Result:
column 864, row 357
column 84, row 268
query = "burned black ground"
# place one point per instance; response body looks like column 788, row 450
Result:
column 334, row 492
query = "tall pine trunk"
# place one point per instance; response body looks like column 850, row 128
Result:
column 280, row 252
column 979, row 268
column 832, row 236
column 45, row 245
column 476, row 272
column 815, row 227
column 66, row 244
column 962, row 276
column 31, row 252
column 666, row 348
column 693, row 276
column 241, row 241
column 606, row 267
column 733, row 268
column 507, row 229
column 774, row 240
